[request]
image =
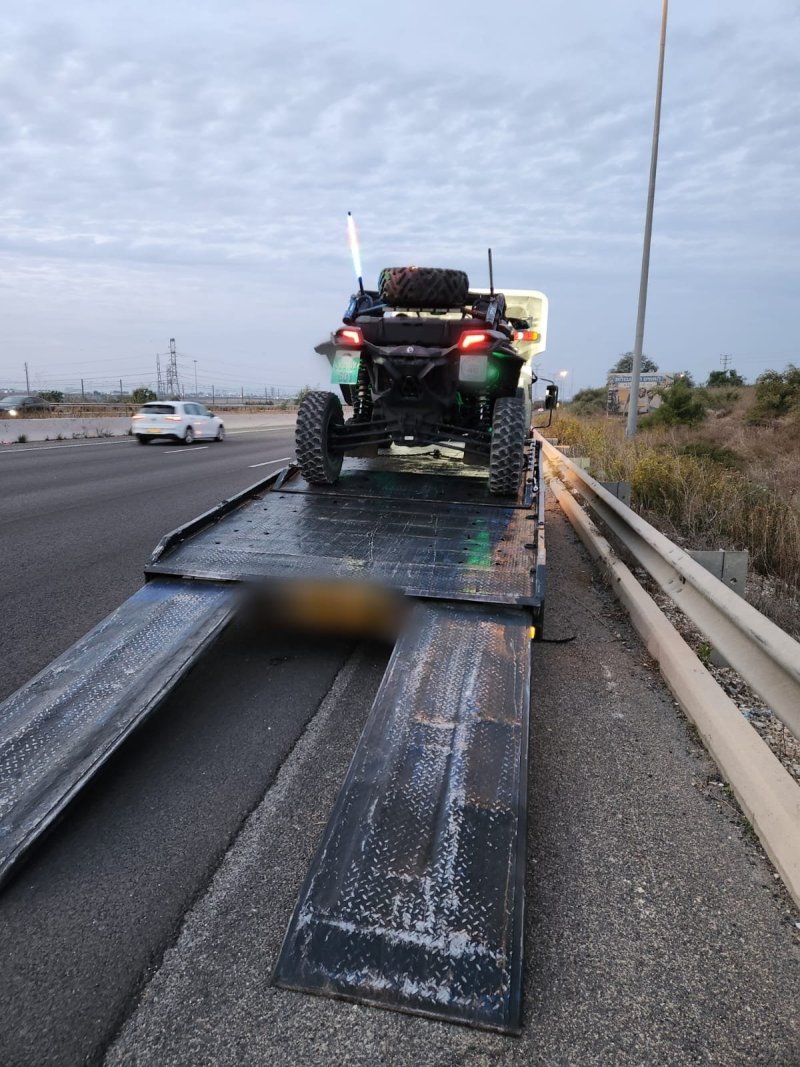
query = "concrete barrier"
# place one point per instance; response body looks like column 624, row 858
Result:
column 69, row 429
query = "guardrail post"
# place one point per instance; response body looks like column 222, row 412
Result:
column 620, row 490
column 730, row 568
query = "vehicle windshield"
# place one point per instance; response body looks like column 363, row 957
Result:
column 158, row 409
column 13, row 399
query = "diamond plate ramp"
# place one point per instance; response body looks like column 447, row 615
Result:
column 414, row 899
column 59, row 728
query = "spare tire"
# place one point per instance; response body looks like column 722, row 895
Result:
column 423, row 287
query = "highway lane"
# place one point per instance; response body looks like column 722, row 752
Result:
column 78, row 521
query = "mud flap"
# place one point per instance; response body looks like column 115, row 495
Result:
column 415, row 897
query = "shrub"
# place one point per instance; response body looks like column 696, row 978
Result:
column 22, row 438
column 698, row 490
column 776, row 394
column 143, row 395
column 680, row 406
column 725, row 457
column 590, row 401
column 724, row 377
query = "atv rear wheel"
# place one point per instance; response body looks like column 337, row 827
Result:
column 423, row 287
column 509, row 432
column 319, row 413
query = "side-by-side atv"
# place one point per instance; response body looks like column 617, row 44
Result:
column 424, row 361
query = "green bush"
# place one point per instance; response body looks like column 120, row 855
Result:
column 700, row 489
column 590, row 401
column 143, row 395
column 724, row 377
column 777, row 393
column 725, row 457
column 680, row 406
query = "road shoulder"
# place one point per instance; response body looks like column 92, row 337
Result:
column 655, row 931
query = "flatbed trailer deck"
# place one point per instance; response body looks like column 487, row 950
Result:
column 415, row 897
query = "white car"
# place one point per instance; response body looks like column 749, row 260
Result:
column 180, row 420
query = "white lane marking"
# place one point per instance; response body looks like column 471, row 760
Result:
column 191, row 448
column 65, row 445
column 266, row 463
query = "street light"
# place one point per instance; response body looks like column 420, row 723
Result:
column 636, row 369
column 563, row 375
column 195, row 378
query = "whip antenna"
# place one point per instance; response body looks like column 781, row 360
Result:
column 355, row 252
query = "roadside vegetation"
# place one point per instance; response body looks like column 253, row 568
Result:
column 713, row 467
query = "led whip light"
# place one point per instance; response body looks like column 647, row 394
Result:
column 355, row 252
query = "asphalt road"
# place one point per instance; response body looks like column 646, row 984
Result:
column 145, row 928
column 78, row 521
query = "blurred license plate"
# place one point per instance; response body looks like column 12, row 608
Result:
column 473, row 368
column 344, row 369
column 154, row 431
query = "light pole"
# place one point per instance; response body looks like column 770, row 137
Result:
column 195, row 378
column 563, row 376
column 633, row 405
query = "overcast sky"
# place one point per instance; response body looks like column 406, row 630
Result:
column 186, row 172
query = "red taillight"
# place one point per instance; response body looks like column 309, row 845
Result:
column 351, row 338
column 473, row 339
column 526, row 335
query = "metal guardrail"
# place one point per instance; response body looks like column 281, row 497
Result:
column 763, row 654
column 769, row 796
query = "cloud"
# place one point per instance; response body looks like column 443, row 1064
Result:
column 230, row 148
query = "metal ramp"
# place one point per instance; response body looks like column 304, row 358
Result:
column 415, row 897
column 58, row 730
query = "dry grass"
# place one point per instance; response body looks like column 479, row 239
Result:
column 723, row 484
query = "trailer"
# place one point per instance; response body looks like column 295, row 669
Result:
column 415, row 897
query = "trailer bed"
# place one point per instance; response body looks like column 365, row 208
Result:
column 415, row 898
column 424, row 534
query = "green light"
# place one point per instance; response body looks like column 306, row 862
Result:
column 480, row 550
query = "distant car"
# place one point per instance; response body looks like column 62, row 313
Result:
column 19, row 406
column 176, row 419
